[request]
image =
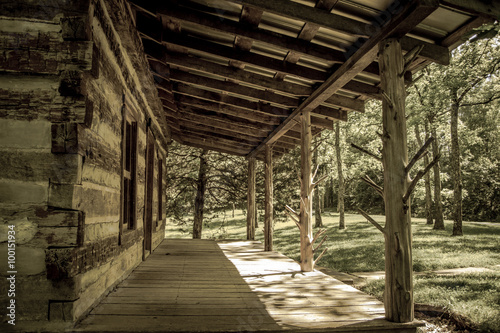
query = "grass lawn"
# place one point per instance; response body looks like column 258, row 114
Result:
column 360, row 248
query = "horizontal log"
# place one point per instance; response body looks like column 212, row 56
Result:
column 58, row 218
column 42, row 166
column 328, row 113
column 321, row 123
column 489, row 8
column 43, row 53
column 100, row 201
column 57, row 237
column 23, row 193
column 44, row 9
column 30, row 98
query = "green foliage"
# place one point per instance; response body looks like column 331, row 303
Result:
column 474, row 296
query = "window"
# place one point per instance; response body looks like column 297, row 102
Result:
column 129, row 171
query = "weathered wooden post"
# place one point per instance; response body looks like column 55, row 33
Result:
column 251, row 200
column 303, row 219
column 268, row 216
column 306, row 191
column 398, row 296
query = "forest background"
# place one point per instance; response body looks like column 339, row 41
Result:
column 458, row 105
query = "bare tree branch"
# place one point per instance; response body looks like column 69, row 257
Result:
column 421, row 152
column 376, row 187
column 372, row 221
column 378, row 158
column 320, row 243
column 320, row 256
column 292, row 211
column 419, row 175
column 318, row 234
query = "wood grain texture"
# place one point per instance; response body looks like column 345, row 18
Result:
column 230, row 286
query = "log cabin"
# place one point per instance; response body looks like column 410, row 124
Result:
column 93, row 91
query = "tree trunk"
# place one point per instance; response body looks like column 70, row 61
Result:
column 455, row 170
column 398, row 295
column 199, row 202
column 340, row 176
column 251, row 200
column 306, row 236
column 427, row 179
column 268, row 215
column 438, row 203
column 317, row 205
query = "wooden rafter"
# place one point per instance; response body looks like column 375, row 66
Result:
column 412, row 14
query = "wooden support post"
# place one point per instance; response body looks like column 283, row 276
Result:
column 306, row 189
column 251, row 200
column 398, row 296
column 268, row 216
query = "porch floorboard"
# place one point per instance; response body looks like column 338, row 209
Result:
column 231, row 286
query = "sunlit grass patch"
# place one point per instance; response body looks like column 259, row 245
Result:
column 475, row 296
column 360, row 248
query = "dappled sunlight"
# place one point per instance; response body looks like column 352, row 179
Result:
column 299, row 299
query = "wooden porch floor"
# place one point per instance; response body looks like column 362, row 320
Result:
column 231, row 286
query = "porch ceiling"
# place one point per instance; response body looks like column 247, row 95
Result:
column 234, row 75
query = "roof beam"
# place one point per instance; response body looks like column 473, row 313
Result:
column 218, row 122
column 335, row 22
column 208, row 144
column 265, row 95
column 301, row 46
column 189, row 102
column 250, row 78
column 258, row 108
column 399, row 25
column 225, row 52
column 489, row 8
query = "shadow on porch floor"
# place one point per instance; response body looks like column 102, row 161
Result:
column 232, row 286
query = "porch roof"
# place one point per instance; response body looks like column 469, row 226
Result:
column 234, row 75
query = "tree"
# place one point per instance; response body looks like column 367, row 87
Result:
column 427, row 177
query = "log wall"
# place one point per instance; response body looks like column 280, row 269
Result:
column 68, row 71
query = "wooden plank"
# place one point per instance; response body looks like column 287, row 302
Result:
column 400, row 24
column 489, row 8
column 454, row 39
column 296, row 46
column 335, row 22
column 223, row 300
